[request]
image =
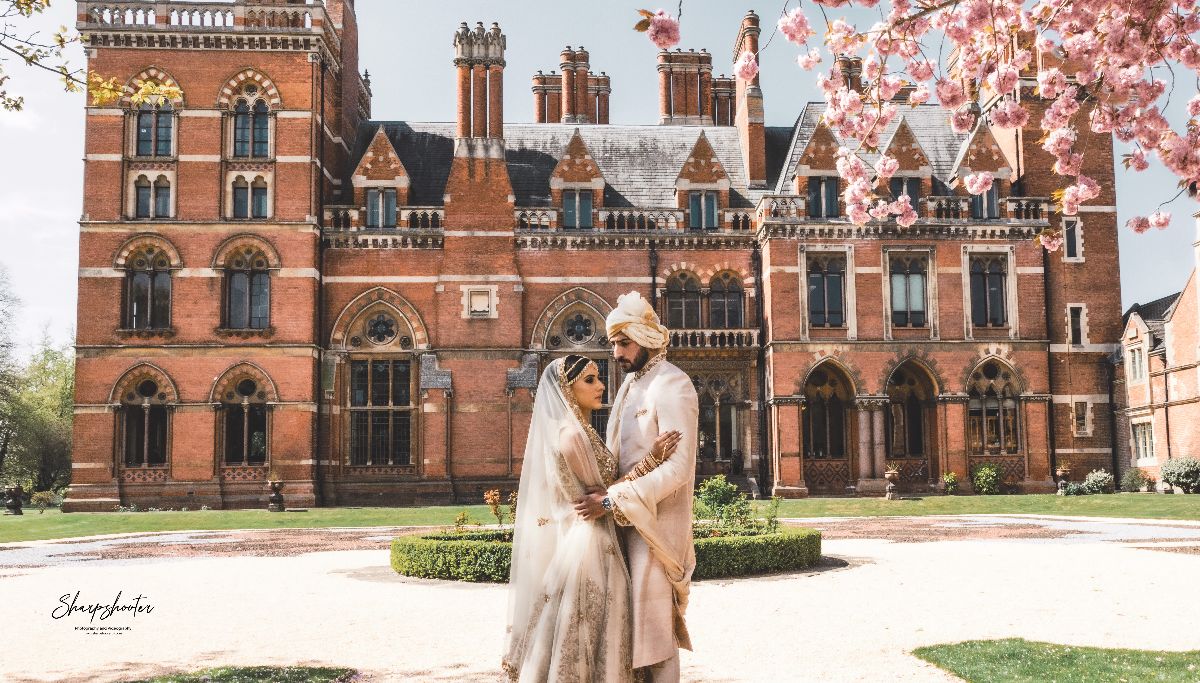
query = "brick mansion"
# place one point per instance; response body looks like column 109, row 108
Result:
column 276, row 283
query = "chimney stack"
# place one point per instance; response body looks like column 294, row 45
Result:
column 575, row 96
column 749, row 117
column 685, row 88
column 851, row 70
column 479, row 60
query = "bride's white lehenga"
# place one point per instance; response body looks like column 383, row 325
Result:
column 569, row 605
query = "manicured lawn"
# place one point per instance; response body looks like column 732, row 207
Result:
column 1145, row 505
column 1015, row 660
column 260, row 674
column 53, row 524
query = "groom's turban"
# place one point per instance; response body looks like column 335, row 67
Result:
column 634, row 318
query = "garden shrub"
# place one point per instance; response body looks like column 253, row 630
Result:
column 1099, row 481
column 1182, row 472
column 950, row 480
column 43, row 499
column 1074, row 489
column 1134, row 479
column 986, row 479
column 486, row 556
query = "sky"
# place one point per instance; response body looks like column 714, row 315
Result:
column 406, row 46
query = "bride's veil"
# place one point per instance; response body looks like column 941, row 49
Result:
column 545, row 509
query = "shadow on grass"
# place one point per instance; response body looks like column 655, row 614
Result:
column 1016, row 660
column 261, row 674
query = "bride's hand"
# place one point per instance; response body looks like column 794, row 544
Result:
column 665, row 445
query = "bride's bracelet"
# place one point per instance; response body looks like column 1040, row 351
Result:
column 646, row 466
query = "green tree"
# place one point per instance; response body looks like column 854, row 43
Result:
column 42, row 407
column 8, row 374
column 50, row 54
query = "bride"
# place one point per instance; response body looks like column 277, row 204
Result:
column 569, row 615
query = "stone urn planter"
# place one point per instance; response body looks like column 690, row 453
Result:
column 275, row 501
column 12, row 500
column 1064, row 476
column 892, row 477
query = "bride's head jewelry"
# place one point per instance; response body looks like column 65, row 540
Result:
column 572, row 368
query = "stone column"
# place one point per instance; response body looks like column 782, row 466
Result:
column 865, row 470
column 879, row 437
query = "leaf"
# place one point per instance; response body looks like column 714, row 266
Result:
column 642, row 26
column 646, row 13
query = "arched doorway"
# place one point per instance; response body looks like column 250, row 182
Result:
column 911, row 433
column 828, row 399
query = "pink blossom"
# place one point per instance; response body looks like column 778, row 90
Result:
column 879, row 211
column 950, row 94
column 841, row 37
column 919, row 95
column 962, row 120
column 906, row 217
column 921, row 71
column 978, row 183
column 808, row 61
column 1051, row 240
column 1138, row 224
column 887, row 166
column 1051, row 82
column 746, row 67
column 1160, row 219
column 1004, row 79
column 888, row 87
column 1070, row 164
column 1137, row 160
column 664, row 30
column 1009, row 114
column 1193, row 106
column 1059, row 142
column 795, row 27
column 857, row 214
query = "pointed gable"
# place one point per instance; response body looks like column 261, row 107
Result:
column 576, row 165
column 380, row 166
column 905, row 148
column 821, row 151
column 702, row 167
column 981, row 152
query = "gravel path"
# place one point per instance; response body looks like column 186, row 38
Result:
column 328, row 597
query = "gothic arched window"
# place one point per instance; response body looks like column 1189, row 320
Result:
column 251, row 125
column 155, row 130
column 244, row 424
column 683, row 301
column 144, row 423
column 247, row 290
column 993, row 424
column 148, row 290
column 725, row 302
column 827, row 398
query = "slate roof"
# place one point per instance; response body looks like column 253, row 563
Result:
column 639, row 163
column 1155, row 315
column 928, row 122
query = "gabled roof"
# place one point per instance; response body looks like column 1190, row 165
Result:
column 639, row 163
column 981, row 133
column 1155, row 315
column 928, row 123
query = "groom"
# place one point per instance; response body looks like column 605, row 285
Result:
column 654, row 510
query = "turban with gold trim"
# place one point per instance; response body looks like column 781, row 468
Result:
column 635, row 318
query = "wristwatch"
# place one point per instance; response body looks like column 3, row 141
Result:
column 607, row 504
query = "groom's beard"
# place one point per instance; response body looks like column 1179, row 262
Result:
column 639, row 362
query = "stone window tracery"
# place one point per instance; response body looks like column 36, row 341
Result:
column 726, row 302
column 247, row 290
column 993, row 425
column 154, row 130
column 144, row 421
column 147, row 300
column 683, row 301
column 252, row 124
column 245, row 424
column 826, row 290
column 827, row 397
column 381, row 412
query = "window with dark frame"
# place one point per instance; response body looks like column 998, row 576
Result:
column 381, row 208
column 906, row 186
column 154, row 130
column 1071, row 238
column 908, row 291
column 247, row 291
column 381, row 412
column 151, row 200
column 702, row 210
column 986, row 206
column 1081, row 417
column 577, row 209
column 988, row 290
column 823, row 196
column 825, row 422
column 725, row 302
column 245, row 425
column 600, row 415
column 683, row 301
column 1142, row 440
column 250, row 198
column 826, row 290
column 1076, row 315
column 148, row 290
column 251, row 126
column 145, row 426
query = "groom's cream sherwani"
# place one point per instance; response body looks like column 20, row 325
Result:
column 658, row 505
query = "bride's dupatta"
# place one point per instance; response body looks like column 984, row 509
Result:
column 569, row 606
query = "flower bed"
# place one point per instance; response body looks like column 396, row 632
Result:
column 484, row 556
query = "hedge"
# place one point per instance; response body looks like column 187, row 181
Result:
column 485, row 556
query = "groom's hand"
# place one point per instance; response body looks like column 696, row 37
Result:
column 589, row 507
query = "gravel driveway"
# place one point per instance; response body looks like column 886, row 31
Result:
column 329, row 597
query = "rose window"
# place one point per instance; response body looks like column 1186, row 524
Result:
column 579, row 329
column 381, row 329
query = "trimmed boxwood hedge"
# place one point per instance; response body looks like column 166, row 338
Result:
column 485, row 556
